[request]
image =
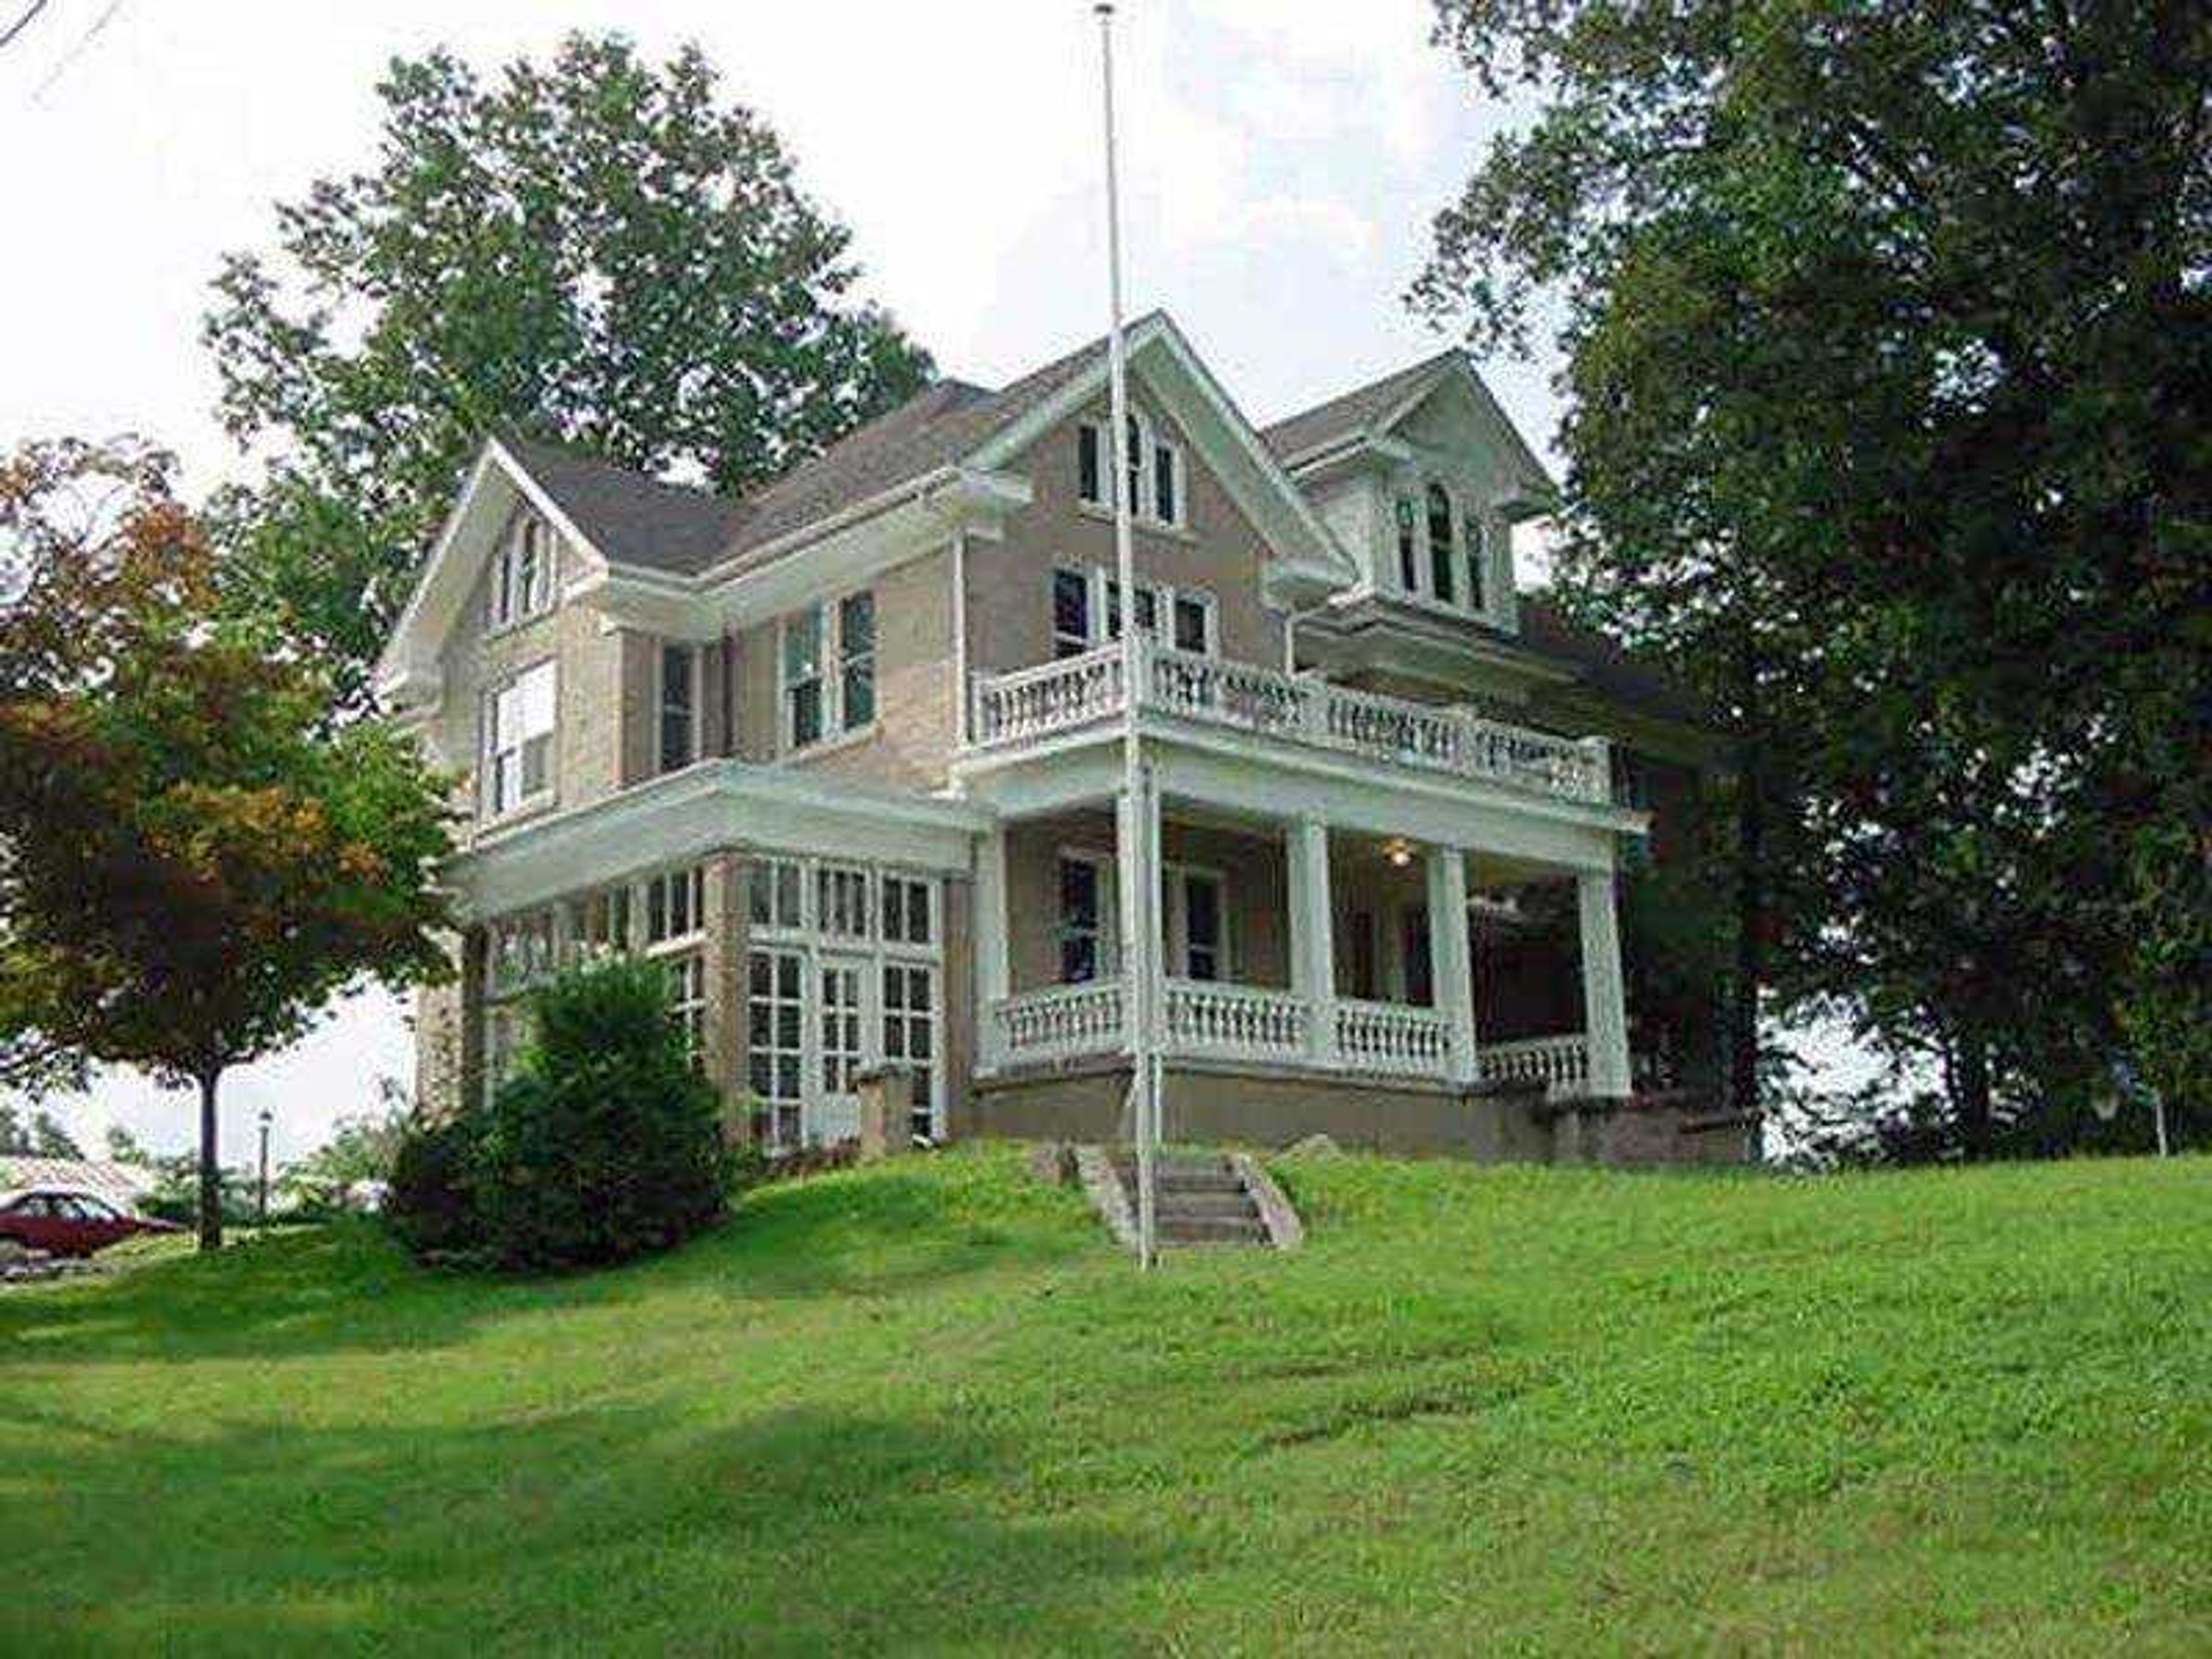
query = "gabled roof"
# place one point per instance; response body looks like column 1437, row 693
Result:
column 632, row 519
column 1349, row 413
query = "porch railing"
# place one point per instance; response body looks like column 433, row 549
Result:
column 1064, row 1022
column 1561, row 1064
column 1392, row 1036
column 1057, row 697
column 1239, row 1021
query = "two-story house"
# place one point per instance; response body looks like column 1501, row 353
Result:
column 846, row 755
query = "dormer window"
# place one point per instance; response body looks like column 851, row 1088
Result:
column 1476, row 541
column 1409, row 555
column 1155, row 477
column 522, row 577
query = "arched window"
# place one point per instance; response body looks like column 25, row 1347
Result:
column 1409, row 565
column 1474, row 533
column 1441, row 554
column 1137, row 445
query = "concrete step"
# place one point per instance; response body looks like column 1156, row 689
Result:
column 1211, row 1230
column 1209, row 1204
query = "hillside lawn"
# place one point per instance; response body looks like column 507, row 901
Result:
column 925, row 1407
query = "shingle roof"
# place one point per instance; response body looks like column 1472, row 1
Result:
column 634, row 519
column 1348, row 412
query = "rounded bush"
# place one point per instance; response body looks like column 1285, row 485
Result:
column 432, row 1205
column 607, row 1143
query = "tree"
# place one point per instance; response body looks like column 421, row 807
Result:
column 1890, row 373
column 595, row 249
column 124, row 1147
column 194, row 869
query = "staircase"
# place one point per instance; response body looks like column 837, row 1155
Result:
column 1204, row 1198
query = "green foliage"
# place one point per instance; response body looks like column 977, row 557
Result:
column 197, row 867
column 607, row 1143
column 432, row 1206
column 1536, row 1411
column 361, row 1148
column 42, row 1135
column 1890, row 349
column 591, row 247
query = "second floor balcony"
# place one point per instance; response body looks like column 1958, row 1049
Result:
column 1032, row 705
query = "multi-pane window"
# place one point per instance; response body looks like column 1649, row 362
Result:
column 687, row 998
column 1409, row 561
column 839, row 635
column 517, row 764
column 909, row 1015
column 1440, row 545
column 906, row 910
column 1155, row 472
column 1082, row 919
column 676, row 905
column 598, row 924
column 837, row 1012
column 522, row 574
column 775, row 1038
column 520, row 950
column 772, row 893
column 840, row 902
column 679, row 706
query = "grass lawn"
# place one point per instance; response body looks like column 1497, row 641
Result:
column 925, row 1407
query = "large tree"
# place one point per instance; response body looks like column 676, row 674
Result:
column 597, row 249
column 1890, row 372
column 191, row 868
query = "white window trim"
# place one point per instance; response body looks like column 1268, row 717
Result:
column 1143, row 507
column 1106, row 867
column 1461, row 557
column 829, row 674
column 503, row 618
column 489, row 811
column 1174, row 918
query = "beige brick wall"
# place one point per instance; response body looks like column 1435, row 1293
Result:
column 1009, row 589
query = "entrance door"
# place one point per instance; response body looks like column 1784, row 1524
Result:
column 839, row 1023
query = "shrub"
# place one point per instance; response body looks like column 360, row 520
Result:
column 607, row 1143
column 432, row 1206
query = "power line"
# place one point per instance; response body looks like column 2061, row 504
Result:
column 77, row 51
column 22, row 22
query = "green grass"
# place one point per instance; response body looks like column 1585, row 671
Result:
column 924, row 1407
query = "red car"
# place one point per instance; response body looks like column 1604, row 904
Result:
column 67, row 1221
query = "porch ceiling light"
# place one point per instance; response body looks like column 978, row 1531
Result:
column 1399, row 851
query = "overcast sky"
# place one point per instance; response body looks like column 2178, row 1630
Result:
column 1281, row 159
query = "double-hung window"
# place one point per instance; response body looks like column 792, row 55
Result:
column 676, row 906
column 1086, row 613
column 518, row 741
column 1196, row 914
column 1086, row 906
column 827, row 664
column 679, row 706
column 906, row 904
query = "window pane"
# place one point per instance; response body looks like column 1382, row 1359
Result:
column 1190, row 629
column 534, row 696
column 802, row 645
column 1079, row 958
column 537, row 765
column 860, row 694
column 806, row 713
column 1409, row 574
column 1087, row 468
column 1071, row 613
column 1440, row 543
column 1135, row 461
column 1079, row 893
column 1166, row 497
column 1472, row 535
column 786, row 895
column 856, row 625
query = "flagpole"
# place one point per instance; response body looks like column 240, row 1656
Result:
column 1137, row 811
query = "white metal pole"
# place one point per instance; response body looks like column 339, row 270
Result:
column 1135, row 860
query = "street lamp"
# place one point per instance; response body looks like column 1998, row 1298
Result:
column 264, row 1205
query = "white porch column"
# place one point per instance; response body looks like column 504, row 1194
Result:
column 1137, row 845
column 1605, row 1012
column 993, row 980
column 1451, row 965
column 1313, row 941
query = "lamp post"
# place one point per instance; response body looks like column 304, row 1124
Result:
column 263, row 1205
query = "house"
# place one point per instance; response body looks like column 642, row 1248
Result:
column 846, row 755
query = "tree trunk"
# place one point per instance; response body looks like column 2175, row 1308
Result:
column 210, row 1216
column 1971, row 1096
column 1750, row 897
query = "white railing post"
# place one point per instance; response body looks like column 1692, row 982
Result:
column 1313, row 944
column 1605, row 1012
column 1453, row 974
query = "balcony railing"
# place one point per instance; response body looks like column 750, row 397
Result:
column 1240, row 1022
column 1561, row 1064
column 1059, row 697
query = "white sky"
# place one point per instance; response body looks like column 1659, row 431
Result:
column 1281, row 159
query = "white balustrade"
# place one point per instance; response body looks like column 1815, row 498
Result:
column 1561, row 1064
column 1392, row 1036
column 1236, row 1021
column 1061, row 1023
column 1057, row 697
